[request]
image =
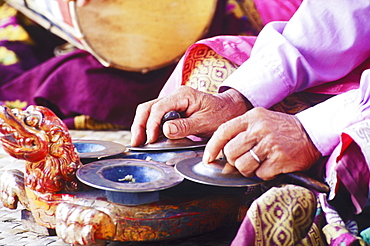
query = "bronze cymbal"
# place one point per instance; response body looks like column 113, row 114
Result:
column 87, row 148
column 112, row 175
column 213, row 173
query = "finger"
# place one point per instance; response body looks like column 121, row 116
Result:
column 268, row 170
column 159, row 109
column 223, row 135
column 138, row 127
column 272, row 164
column 229, row 169
column 180, row 128
column 247, row 164
column 176, row 129
column 239, row 145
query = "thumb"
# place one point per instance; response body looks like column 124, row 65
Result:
column 178, row 128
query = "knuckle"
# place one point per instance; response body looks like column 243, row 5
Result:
column 184, row 89
column 243, row 168
column 228, row 154
column 142, row 107
column 154, row 107
column 222, row 129
column 264, row 174
column 259, row 110
column 183, row 125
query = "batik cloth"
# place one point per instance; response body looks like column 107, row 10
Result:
column 294, row 215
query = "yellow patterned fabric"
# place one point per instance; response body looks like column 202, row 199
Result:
column 14, row 33
column 10, row 30
column 16, row 104
column 205, row 70
column 283, row 215
column 85, row 122
column 7, row 57
column 298, row 102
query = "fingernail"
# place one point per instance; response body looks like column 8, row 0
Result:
column 173, row 128
column 206, row 157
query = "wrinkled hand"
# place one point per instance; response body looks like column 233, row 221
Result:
column 202, row 113
column 278, row 139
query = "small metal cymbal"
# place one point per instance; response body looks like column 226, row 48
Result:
column 129, row 181
column 164, row 144
column 213, row 173
column 97, row 148
column 128, row 175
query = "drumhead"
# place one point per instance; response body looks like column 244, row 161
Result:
column 142, row 35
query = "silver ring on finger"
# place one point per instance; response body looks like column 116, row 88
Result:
column 255, row 156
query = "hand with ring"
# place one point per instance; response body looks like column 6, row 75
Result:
column 263, row 143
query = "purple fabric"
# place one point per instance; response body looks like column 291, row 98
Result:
column 354, row 173
column 77, row 83
column 246, row 234
column 276, row 10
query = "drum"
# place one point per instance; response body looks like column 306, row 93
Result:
column 132, row 35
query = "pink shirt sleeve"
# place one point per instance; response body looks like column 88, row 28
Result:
column 323, row 42
column 324, row 123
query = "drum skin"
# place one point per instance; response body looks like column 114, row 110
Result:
column 146, row 34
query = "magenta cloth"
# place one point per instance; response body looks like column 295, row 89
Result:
column 77, row 84
column 281, row 10
column 246, row 234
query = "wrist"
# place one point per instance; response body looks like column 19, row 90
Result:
column 238, row 100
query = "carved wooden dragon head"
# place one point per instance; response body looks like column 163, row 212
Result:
column 39, row 137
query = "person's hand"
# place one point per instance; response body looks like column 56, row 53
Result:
column 201, row 114
column 277, row 139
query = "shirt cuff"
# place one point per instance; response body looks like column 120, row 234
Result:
column 324, row 123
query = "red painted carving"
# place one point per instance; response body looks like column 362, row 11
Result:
column 40, row 138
